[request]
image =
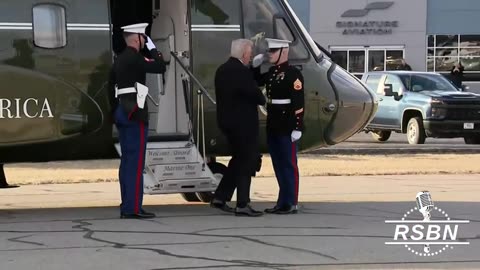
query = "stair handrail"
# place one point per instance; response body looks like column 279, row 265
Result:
column 204, row 91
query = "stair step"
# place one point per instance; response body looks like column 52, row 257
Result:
column 180, row 185
column 178, row 171
column 171, row 156
column 175, row 166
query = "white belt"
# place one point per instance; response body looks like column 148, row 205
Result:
column 140, row 89
column 124, row 91
column 280, row 101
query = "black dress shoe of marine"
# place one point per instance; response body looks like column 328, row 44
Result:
column 247, row 211
column 144, row 215
column 272, row 210
column 287, row 210
column 143, row 212
column 215, row 203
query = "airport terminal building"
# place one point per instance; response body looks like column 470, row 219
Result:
column 365, row 35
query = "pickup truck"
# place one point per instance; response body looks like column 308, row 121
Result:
column 421, row 105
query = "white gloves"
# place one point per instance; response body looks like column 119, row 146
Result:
column 150, row 44
column 296, row 135
column 258, row 60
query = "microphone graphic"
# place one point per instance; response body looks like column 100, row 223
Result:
column 425, row 206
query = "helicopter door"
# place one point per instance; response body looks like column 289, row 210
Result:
column 169, row 32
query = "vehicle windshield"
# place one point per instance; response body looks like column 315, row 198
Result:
column 304, row 31
column 426, row 82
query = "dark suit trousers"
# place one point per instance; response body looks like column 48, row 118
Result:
column 240, row 168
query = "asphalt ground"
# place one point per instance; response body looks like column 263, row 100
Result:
column 341, row 225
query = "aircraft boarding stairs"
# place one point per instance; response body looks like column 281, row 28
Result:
column 173, row 162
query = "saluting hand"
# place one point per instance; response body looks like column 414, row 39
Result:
column 258, row 60
column 150, row 44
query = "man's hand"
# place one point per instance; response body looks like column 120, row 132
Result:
column 258, row 60
column 296, row 135
column 149, row 44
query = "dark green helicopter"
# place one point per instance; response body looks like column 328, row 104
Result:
column 55, row 59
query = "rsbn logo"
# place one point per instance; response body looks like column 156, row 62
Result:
column 427, row 237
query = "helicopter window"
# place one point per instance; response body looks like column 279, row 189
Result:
column 216, row 12
column 266, row 19
column 282, row 30
column 49, row 26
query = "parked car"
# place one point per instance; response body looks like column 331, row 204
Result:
column 421, row 105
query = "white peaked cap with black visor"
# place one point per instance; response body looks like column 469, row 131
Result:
column 138, row 28
column 277, row 43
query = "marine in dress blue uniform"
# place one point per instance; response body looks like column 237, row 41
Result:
column 131, row 115
column 285, row 111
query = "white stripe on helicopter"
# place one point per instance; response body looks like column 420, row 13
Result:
column 215, row 28
column 70, row 26
column 106, row 27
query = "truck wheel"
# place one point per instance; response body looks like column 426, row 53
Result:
column 190, row 197
column 381, row 136
column 472, row 140
column 218, row 171
column 415, row 131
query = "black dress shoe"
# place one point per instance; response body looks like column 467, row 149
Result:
column 143, row 212
column 272, row 210
column 287, row 210
column 247, row 211
column 143, row 215
column 221, row 205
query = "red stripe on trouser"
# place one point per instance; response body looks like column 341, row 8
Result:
column 139, row 167
column 295, row 169
column 133, row 110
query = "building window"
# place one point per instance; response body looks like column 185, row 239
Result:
column 340, row 58
column 394, row 59
column 358, row 60
column 443, row 51
column 376, row 60
column 49, row 26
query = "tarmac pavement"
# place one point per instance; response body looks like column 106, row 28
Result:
column 363, row 144
column 341, row 225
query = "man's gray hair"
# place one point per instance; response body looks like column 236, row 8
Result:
column 239, row 46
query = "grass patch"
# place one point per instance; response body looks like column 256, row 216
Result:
column 98, row 171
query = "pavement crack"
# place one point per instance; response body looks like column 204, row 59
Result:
column 89, row 235
column 240, row 263
column 17, row 239
column 289, row 248
column 81, row 225
column 270, row 227
column 109, row 245
column 307, row 212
